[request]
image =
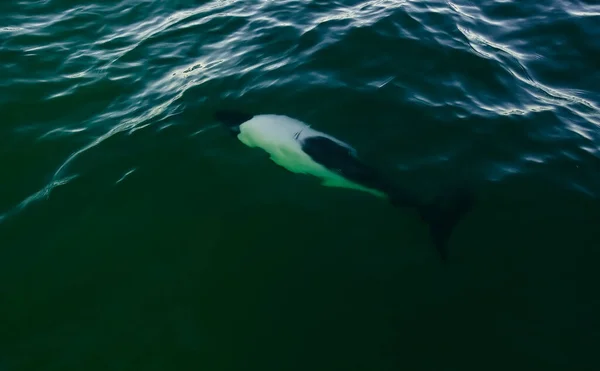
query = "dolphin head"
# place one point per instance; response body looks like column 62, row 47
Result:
column 232, row 119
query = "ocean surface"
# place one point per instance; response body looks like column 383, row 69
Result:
column 136, row 233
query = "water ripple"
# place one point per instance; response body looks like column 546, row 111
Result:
column 98, row 70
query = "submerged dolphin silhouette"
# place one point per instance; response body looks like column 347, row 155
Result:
column 300, row 149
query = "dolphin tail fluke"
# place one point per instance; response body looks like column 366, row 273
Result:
column 443, row 214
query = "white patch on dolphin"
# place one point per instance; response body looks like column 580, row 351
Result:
column 285, row 138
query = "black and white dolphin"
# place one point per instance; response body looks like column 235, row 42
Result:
column 301, row 149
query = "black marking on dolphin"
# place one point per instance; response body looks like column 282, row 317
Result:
column 344, row 161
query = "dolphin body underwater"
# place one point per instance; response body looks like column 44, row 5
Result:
column 298, row 148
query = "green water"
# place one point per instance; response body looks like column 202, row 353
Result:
column 137, row 234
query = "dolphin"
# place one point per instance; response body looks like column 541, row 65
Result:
column 297, row 147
